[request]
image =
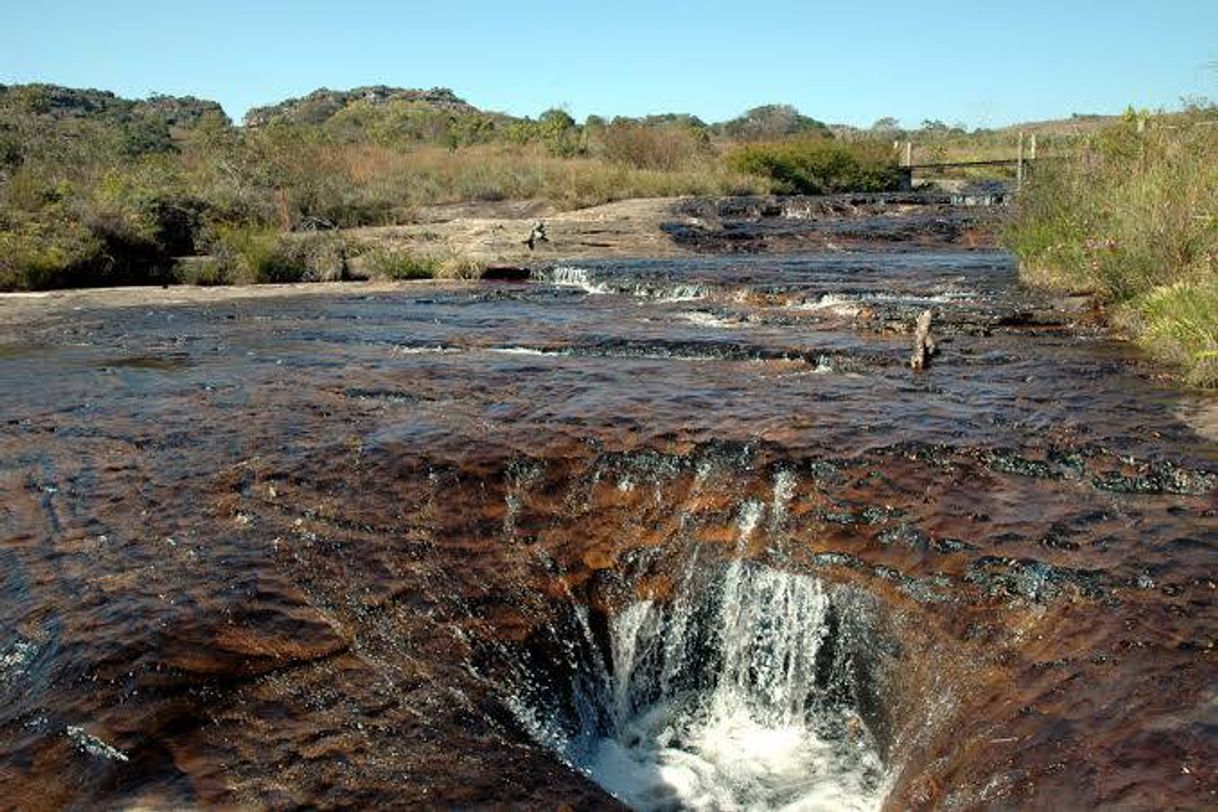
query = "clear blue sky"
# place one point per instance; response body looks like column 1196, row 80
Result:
column 981, row 63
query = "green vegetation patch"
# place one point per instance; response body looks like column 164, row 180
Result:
column 386, row 263
column 1132, row 218
column 1179, row 323
column 821, row 166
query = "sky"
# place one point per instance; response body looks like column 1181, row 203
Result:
column 977, row 63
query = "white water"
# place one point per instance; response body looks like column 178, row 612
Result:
column 704, row 319
column 574, row 277
column 712, row 701
column 851, row 305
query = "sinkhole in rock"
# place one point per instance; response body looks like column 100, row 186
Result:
column 747, row 687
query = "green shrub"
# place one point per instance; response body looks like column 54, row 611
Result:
column 771, row 121
column 460, row 267
column 205, row 272
column 39, row 256
column 264, row 257
column 397, row 264
column 1179, row 323
column 820, row 166
column 323, row 256
column 60, row 249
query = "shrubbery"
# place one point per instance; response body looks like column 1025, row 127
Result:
column 386, row 263
column 821, row 166
column 255, row 256
column 662, row 147
column 398, row 265
column 1132, row 219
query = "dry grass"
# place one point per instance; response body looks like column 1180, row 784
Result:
column 403, row 180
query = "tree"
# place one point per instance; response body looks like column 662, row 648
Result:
column 772, row 121
column 559, row 133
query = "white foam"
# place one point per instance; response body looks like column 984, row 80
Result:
column 784, row 489
column 523, row 351
column 838, row 305
column 704, row 319
column 437, row 349
column 851, row 305
column 16, row 659
column 746, row 743
column 93, row 745
column 732, row 760
column 572, row 277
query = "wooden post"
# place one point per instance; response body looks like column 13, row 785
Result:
column 1019, row 164
column 1032, row 148
column 909, row 153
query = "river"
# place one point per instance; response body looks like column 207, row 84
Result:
column 684, row 533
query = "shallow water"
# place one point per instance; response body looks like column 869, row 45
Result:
column 314, row 550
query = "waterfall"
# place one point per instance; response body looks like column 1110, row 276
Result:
column 590, row 282
column 719, row 698
column 568, row 276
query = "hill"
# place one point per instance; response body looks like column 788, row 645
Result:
column 324, row 104
column 55, row 103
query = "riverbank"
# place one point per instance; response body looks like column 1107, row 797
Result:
column 1131, row 220
column 462, row 240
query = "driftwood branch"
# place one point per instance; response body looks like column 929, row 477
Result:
column 538, row 234
column 924, row 346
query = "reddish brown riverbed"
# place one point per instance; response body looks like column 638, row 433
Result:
column 281, row 551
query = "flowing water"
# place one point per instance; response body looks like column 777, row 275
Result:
column 673, row 534
column 722, row 700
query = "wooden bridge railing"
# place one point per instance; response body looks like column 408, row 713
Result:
column 1021, row 161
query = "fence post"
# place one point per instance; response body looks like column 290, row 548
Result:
column 1019, row 164
column 909, row 153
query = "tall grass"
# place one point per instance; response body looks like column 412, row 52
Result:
column 395, row 182
column 1133, row 219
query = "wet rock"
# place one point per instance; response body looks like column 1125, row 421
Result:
column 245, row 636
column 906, row 535
column 406, row 515
column 1157, row 477
column 830, row 222
column 1035, row 580
column 506, row 273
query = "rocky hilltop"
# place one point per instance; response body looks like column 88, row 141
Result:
column 321, row 105
column 61, row 103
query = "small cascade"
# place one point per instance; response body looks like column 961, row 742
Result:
column 736, row 693
column 657, row 290
column 573, row 277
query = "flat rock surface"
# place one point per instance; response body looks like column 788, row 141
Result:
column 278, row 548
